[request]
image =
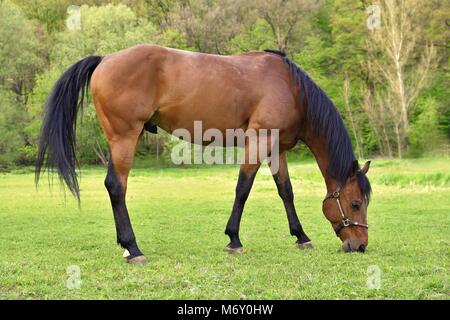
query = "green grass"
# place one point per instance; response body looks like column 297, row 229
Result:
column 179, row 215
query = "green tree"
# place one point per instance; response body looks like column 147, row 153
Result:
column 288, row 19
column 22, row 55
column 105, row 29
column 257, row 38
column 425, row 130
column 210, row 25
column 22, row 50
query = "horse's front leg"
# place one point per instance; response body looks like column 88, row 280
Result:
column 247, row 175
column 284, row 187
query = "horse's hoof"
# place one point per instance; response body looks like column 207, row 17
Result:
column 234, row 250
column 137, row 260
column 305, row 245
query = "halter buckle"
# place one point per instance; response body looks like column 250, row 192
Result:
column 336, row 194
column 346, row 222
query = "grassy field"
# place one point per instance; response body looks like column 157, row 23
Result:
column 179, row 215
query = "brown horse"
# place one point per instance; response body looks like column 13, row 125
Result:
column 149, row 86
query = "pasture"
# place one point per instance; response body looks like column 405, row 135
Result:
column 179, row 216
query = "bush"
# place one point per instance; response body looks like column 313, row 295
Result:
column 425, row 135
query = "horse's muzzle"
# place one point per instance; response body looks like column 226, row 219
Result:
column 353, row 245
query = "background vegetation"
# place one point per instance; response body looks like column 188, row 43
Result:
column 390, row 84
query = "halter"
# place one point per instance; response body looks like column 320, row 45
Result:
column 345, row 222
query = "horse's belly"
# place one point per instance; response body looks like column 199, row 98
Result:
column 208, row 109
column 197, row 119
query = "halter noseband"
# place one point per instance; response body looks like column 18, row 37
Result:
column 345, row 222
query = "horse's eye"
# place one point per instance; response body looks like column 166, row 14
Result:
column 355, row 205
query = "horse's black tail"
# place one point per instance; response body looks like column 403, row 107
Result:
column 57, row 142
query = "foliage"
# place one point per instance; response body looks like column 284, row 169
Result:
column 328, row 39
column 257, row 38
column 425, row 129
column 22, row 56
column 104, row 29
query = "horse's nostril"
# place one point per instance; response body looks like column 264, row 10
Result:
column 362, row 248
column 347, row 247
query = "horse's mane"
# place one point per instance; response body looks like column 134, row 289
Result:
column 326, row 122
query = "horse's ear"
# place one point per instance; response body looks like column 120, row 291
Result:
column 366, row 167
column 354, row 168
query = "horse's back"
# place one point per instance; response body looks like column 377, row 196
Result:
column 173, row 88
column 221, row 91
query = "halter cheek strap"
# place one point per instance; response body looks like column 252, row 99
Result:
column 345, row 222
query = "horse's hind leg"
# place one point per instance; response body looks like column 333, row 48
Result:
column 284, row 187
column 122, row 155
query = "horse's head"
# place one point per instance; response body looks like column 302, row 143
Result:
column 346, row 209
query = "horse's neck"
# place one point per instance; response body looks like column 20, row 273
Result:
column 320, row 151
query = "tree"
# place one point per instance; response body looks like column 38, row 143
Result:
column 426, row 129
column 104, row 30
column 351, row 116
column 285, row 16
column 392, row 64
column 210, row 25
column 256, row 38
column 22, row 56
column 22, row 52
column 12, row 138
column 159, row 12
column 379, row 120
column 51, row 13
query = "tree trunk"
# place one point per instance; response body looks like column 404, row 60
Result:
column 399, row 141
column 379, row 141
column 388, row 144
column 100, row 154
column 350, row 115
